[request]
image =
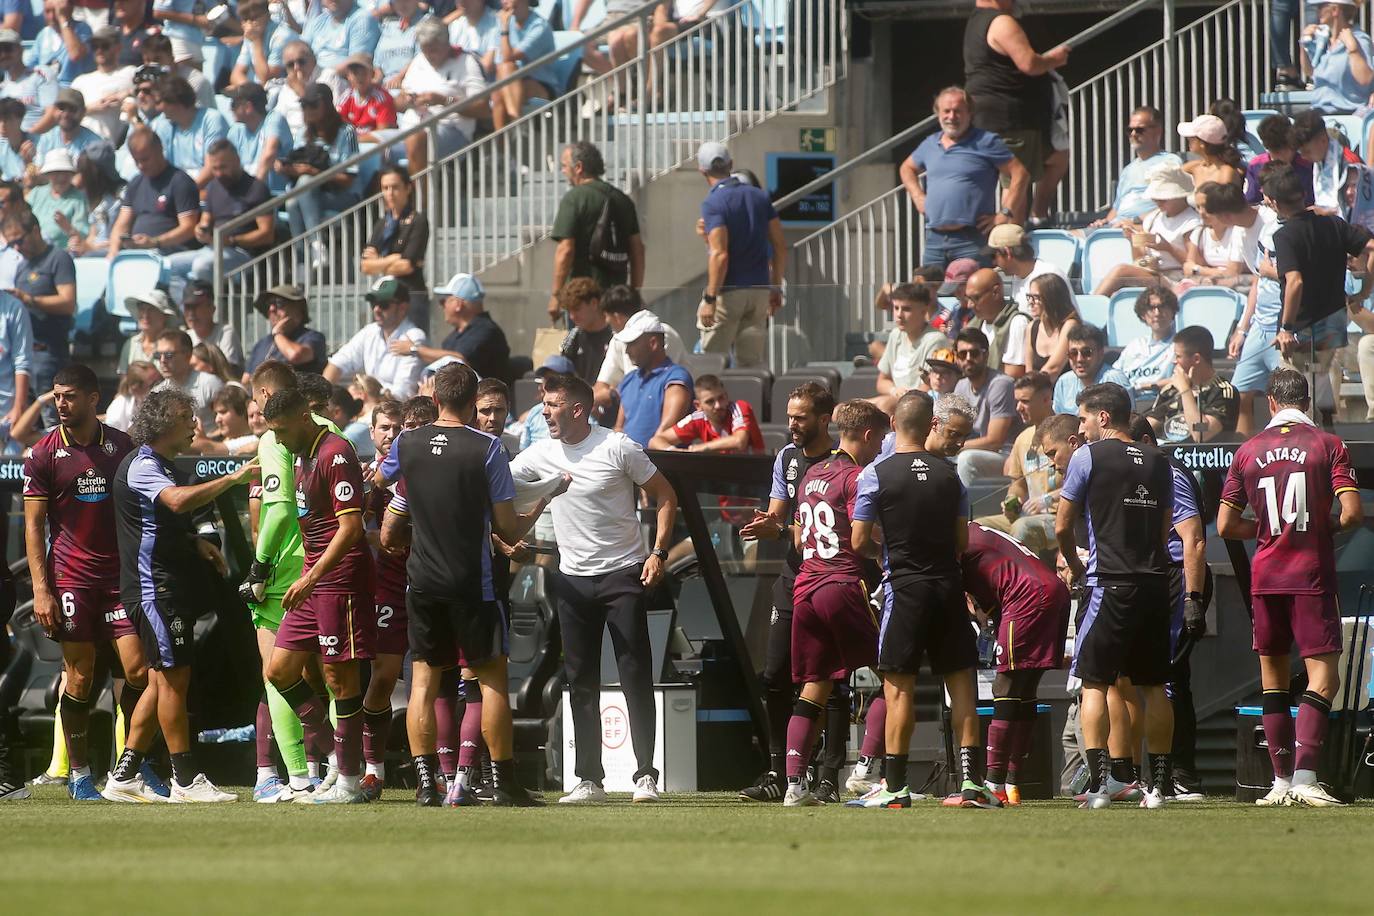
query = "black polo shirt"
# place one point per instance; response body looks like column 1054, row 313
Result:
column 41, row 277
column 157, row 202
column 483, row 345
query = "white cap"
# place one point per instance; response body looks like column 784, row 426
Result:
column 712, row 155
column 640, row 323
column 57, row 160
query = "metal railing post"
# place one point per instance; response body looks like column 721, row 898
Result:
column 1170, row 62
column 642, row 130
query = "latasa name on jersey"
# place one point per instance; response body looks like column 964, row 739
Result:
column 92, row 487
column 1282, row 453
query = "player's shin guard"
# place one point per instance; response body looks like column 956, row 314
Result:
column 449, row 709
column 1278, row 732
column 801, row 737
column 376, row 728
column 76, row 720
column 1314, row 716
column 348, row 736
column 128, row 702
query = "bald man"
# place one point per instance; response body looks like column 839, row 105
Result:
column 998, row 317
column 161, row 205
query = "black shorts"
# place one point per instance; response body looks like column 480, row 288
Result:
column 1124, row 632
column 777, row 659
column 443, row 628
column 925, row 617
column 168, row 637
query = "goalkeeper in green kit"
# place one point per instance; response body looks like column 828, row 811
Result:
column 278, row 559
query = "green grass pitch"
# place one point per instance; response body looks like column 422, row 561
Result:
column 701, row 854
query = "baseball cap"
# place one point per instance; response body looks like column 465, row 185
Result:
column 386, row 289
column 356, row 60
column 555, row 363
column 464, row 286
column 10, row 37
column 196, row 288
column 287, row 291
column 106, row 34
column 712, row 155
column 154, row 299
column 1208, row 128
column 71, row 98
column 640, row 323
column 942, row 358
column 956, row 275
column 1007, row 235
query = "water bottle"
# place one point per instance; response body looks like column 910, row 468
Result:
column 987, row 646
column 1317, row 45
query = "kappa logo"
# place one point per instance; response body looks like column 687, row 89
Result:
column 338, row 460
column 63, row 453
column 343, row 491
column 439, row 439
column 919, row 465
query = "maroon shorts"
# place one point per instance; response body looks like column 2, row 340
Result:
column 1313, row 622
column 92, row 615
column 1032, row 638
column 334, row 625
column 392, row 638
column 833, row 633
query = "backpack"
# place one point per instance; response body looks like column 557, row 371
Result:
column 606, row 249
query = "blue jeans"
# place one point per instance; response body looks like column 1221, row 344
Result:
column 942, row 247
column 1282, row 13
column 308, row 209
column 184, row 266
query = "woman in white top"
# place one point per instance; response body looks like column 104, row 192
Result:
column 1160, row 243
column 1213, row 257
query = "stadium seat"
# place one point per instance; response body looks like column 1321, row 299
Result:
column 1253, row 117
column 751, row 385
column 1215, row 308
column 1058, row 246
column 862, row 384
column 1094, row 309
column 566, row 66
column 91, row 276
column 1351, row 126
column 700, row 364
column 1124, row 326
column 775, row 436
column 131, row 272
column 1104, row 249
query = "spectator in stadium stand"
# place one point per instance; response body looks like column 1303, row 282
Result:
column 952, row 318
column 154, row 313
column 992, row 396
column 289, row 338
column 323, row 127
column 188, row 132
column 99, row 180
column 1148, row 360
column 619, row 304
column 397, row 245
column 130, row 17
column 134, row 384
column 926, row 273
column 910, row 343
column 717, row 424
column 346, row 412
column 1053, row 316
column 1012, row 254
column 35, row 88
column 590, row 338
column 161, row 205
column 437, row 77
column 180, row 58
column 173, row 360
column 1341, row 71
column 60, row 208
column 398, row 45
column 1087, row 360
column 140, row 109
column 1331, row 161
column 13, row 140
column 366, row 105
column 474, row 27
column 579, row 214
column 658, row 393
column 962, row 164
column 370, row 349
column 230, row 193
column 1145, row 131
column 1215, row 156
column 106, row 87
column 1028, row 509
column 524, row 36
column 1012, row 93
column 1004, row 325
column 206, row 357
column 1280, row 142
column 260, row 136
column 476, row 338
column 1158, row 243
column 70, row 133
column 302, row 72
column 1211, row 255
column 746, row 264
column 1194, row 404
column 61, row 46
column 231, row 434
column 1282, row 15
column 46, row 284
column 11, row 202
column 16, row 361
column 263, row 47
column 198, row 308
column 344, row 28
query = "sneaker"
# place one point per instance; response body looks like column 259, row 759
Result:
column 1013, row 794
column 520, row 797
column 201, row 790
column 273, row 790
column 646, row 789
column 331, row 776
column 999, row 791
column 827, row 792
column 770, row 788
column 485, row 792
column 1092, row 801
column 460, row 796
column 339, row 795
column 585, row 792
column 1277, row 797
column 427, row 796
column 880, row 797
column 83, row 789
column 1152, row 799
column 240, row 735
column 43, row 779
column 1184, row 794
column 972, row 795
column 13, row 791
column 858, row 782
column 131, row 791
column 1314, row 795
column 1117, row 791
column 371, row 786
column 152, row 780
column 799, row 796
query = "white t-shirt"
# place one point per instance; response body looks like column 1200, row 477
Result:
column 1246, row 241
column 202, row 387
column 1173, row 229
column 904, row 360
column 1216, row 252
column 369, row 351
column 93, row 87
column 617, row 364
column 459, row 78
column 597, row 526
column 1040, row 268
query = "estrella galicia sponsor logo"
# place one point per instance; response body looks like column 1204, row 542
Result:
column 91, row 487
column 1206, row 458
column 12, row 469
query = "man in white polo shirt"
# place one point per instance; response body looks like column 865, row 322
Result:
column 602, row 572
column 369, row 350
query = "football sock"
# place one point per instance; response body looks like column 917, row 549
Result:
column 1135, row 771
column 470, row 744
column 426, row 768
column 1022, row 730
column 262, row 736
column 312, row 769
column 310, row 711
column 837, row 719
column 376, row 728
column 1314, row 716
column 58, row 766
column 1278, row 732
column 183, row 769
column 266, row 773
column 1000, row 731
column 875, row 722
column 894, row 771
column 779, row 707
column 76, row 720
column 127, row 767
column 287, row 731
column 503, row 775
column 448, row 713
column 1162, row 773
column 1099, row 767
column 801, row 737
column 971, row 764
column 348, row 736
column 128, row 701
column 1121, row 769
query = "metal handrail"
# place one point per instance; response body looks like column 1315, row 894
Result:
column 929, row 122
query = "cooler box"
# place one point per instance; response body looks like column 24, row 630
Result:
column 1038, row 779
column 675, row 740
column 1254, row 773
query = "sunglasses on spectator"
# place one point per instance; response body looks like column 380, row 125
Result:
column 163, row 356
column 967, row 354
column 1084, row 353
column 1136, row 130
column 1154, row 307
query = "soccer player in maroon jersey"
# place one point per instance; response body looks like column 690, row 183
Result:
column 327, row 609
column 1290, row 474
column 833, row 628
column 391, row 608
column 74, row 561
column 1031, row 607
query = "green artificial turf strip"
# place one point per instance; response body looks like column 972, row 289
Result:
column 699, row 854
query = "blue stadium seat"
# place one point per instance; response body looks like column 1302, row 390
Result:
column 596, row 13
column 1058, row 246
column 1253, row 117
column 1103, row 250
column 92, row 274
column 131, row 272
column 566, row 66
column 1349, row 125
column 769, row 18
column 1094, row 309
column 1215, row 308
column 1124, row 326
